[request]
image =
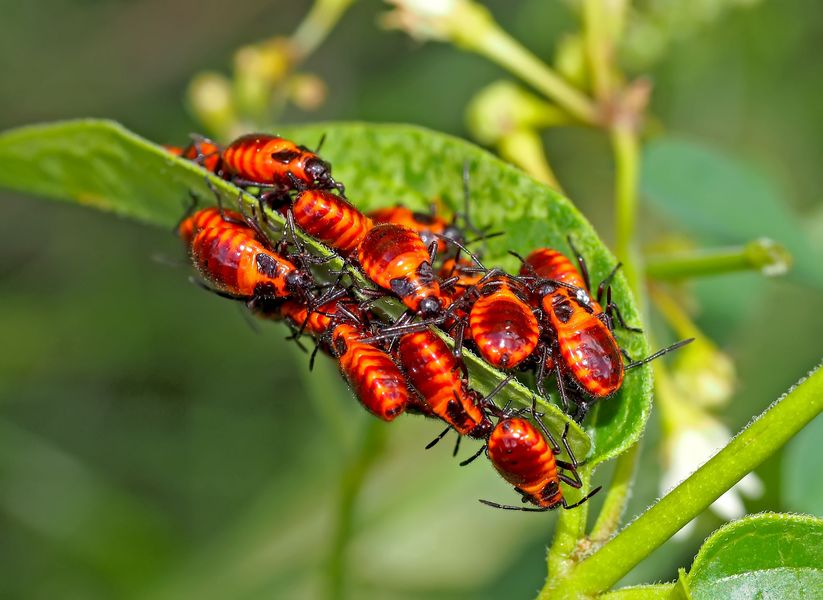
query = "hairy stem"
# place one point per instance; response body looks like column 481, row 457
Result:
column 757, row 442
column 659, row 591
column 570, row 529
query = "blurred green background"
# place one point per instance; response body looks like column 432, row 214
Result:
column 152, row 444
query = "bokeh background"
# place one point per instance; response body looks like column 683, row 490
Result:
column 154, row 445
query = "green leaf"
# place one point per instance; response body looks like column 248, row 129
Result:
column 765, row 556
column 101, row 164
column 722, row 199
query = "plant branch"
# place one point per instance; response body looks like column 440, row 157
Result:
column 627, row 167
column 470, row 26
column 659, row 591
column 750, row 448
column 617, row 497
column 524, row 148
column 497, row 45
column 569, row 530
column 316, row 26
column 599, row 45
column 764, row 255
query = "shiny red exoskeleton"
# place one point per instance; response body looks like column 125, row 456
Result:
column 205, row 219
column 236, row 263
column 502, row 324
column 524, row 458
column 315, row 322
column 459, row 276
column 431, row 227
column 330, row 219
column 273, row 161
column 395, row 258
column 463, row 273
column 582, row 344
column 436, row 374
column 548, row 263
column 375, row 378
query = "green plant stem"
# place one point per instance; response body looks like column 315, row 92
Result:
column 500, row 47
column 757, row 442
column 473, row 28
column 759, row 255
column 626, row 151
column 569, row 530
column 617, row 496
column 373, row 441
column 524, row 148
column 316, row 25
column 599, row 47
column 660, row 591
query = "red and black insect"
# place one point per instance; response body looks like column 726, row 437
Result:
column 232, row 259
column 548, row 263
column 502, row 324
column 580, row 346
column 432, row 228
column 261, row 160
column 202, row 150
column 205, row 153
column 205, row 219
column 462, row 275
column 330, row 219
column 395, row 258
column 375, row 378
column 314, row 322
column 525, row 459
column 436, row 374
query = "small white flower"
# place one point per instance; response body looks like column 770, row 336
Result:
column 688, row 447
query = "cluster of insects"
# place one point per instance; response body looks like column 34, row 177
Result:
column 543, row 319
